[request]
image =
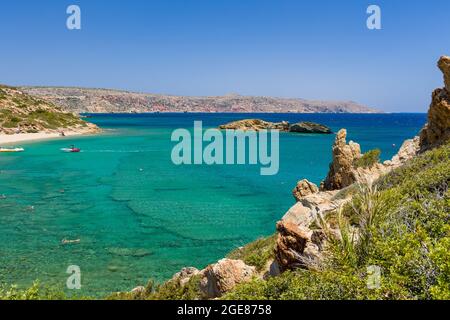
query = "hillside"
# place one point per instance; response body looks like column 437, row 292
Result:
column 82, row 100
column 22, row 113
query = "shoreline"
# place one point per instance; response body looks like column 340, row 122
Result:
column 9, row 139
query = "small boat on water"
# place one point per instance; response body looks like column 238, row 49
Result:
column 71, row 149
column 11, row 149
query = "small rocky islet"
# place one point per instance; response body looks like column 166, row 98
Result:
column 284, row 126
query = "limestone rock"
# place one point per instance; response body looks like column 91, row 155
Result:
column 444, row 65
column 304, row 188
column 223, row 276
column 309, row 127
column 296, row 247
column 258, row 125
column 407, row 151
column 437, row 130
column 255, row 125
column 185, row 275
column 341, row 173
column 138, row 290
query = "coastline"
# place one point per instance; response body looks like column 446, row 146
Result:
column 9, row 139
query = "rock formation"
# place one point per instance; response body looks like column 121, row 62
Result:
column 437, row 130
column 258, row 124
column 309, row 127
column 344, row 155
column 255, row 125
column 297, row 246
column 218, row 278
column 303, row 189
column 223, row 276
column 185, row 275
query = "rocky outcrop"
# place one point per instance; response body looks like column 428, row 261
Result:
column 444, row 65
column 344, row 155
column 309, row 127
column 258, row 124
column 223, row 276
column 297, row 246
column 407, row 151
column 255, row 125
column 185, row 275
column 303, row 189
column 437, row 130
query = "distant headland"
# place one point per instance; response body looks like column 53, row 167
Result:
column 85, row 100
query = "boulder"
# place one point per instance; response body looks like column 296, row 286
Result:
column 309, row 127
column 291, row 244
column 303, row 189
column 185, row 275
column 138, row 290
column 223, row 276
column 437, row 130
column 341, row 174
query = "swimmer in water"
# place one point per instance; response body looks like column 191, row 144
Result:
column 65, row 241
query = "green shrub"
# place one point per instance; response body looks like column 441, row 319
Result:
column 368, row 159
column 401, row 224
column 256, row 253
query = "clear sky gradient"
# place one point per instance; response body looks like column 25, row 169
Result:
column 286, row 48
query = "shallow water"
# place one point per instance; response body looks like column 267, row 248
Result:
column 137, row 215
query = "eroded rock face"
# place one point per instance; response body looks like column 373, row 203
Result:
column 223, row 276
column 291, row 243
column 297, row 246
column 444, row 65
column 437, row 130
column 303, row 189
column 344, row 155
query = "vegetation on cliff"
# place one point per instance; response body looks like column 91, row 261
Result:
column 403, row 225
column 22, row 113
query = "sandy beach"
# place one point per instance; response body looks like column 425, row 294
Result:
column 9, row 139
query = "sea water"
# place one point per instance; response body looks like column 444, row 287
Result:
column 137, row 215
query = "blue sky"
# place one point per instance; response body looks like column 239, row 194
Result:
column 287, row 48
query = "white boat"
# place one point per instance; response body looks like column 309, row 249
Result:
column 12, row 149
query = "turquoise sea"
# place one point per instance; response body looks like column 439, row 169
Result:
column 140, row 217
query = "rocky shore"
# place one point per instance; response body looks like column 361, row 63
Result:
column 306, row 230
